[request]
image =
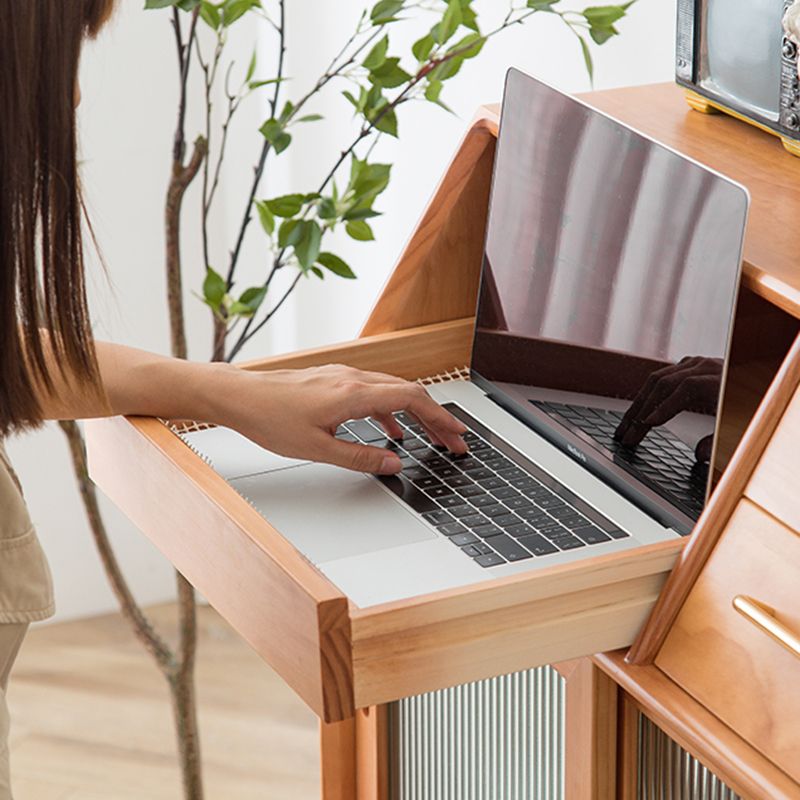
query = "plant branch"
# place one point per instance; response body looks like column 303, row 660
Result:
column 243, row 339
column 182, row 176
column 130, row 609
column 330, row 73
column 184, row 61
column 266, row 147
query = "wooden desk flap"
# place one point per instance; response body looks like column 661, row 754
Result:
column 338, row 657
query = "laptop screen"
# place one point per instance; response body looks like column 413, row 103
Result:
column 609, row 281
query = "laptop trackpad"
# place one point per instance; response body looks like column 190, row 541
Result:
column 329, row 513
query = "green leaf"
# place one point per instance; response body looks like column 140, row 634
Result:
column 360, row 213
column 251, row 68
column 587, row 58
column 286, row 112
column 281, row 143
column 447, row 69
column 374, row 102
column 335, row 265
column 469, row 19
column 470, row 46
column 352, row 99
column 433, row 90
column 310, row 118
column 602, row 35
column 289, row 233
column 388, row 123
column 390, row 74
column 307, row 248
column 249, row 302
column 327, row 209
column 367, row 181
column 449, row 24
column 214, row 288
column 542, row 5
column 266, row 217
column 154, row 4
column 422, row 48
column 318, row 272
column 259, row 84
column 359, row 230
column 287, row 205
column 234, row 9
column 210, row 14
column 271, row 129
column 603, row 16
column 386, row 11
column 377, row 55
column 274, row 132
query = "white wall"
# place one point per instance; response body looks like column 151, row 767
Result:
column 127, row 117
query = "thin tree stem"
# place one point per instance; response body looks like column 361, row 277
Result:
column 266, row 147
column 183, row 691
column 179, row 183
column 141, row 626
column 244, row 339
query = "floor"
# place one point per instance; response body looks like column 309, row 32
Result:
column 92, row 721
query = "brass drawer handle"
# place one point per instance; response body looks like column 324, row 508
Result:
column 764, row 617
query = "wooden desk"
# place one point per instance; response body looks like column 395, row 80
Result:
column 342, row 659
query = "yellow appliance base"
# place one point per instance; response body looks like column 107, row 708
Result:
column 706, row 106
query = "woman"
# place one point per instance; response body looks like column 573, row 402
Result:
column 50, row 367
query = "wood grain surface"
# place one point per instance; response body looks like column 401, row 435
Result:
column 698, row 731
column 722, row 659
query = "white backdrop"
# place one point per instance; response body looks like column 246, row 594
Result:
column 127, row 116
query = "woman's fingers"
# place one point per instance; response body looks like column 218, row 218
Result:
column 442, row 427
column 382, row 400
column 390, row 425
column 360, row 457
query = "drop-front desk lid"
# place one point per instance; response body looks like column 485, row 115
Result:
column 338, row 655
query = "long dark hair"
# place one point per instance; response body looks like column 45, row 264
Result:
column 42, row 289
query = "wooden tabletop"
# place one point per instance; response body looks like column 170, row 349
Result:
column 748, row 155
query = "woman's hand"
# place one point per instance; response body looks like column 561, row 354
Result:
column 296, row 413
column 291, row 412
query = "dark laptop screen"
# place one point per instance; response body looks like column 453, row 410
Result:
column 609, row 281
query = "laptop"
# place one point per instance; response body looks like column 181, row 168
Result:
column 603, row 325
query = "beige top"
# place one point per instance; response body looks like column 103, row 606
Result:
column 26, row 588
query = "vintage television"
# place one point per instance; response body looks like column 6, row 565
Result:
column 735, row 56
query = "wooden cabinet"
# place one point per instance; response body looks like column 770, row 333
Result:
column 718, row 650
column 717, row 666
column 775, row 484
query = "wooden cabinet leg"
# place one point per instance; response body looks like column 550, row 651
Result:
column 355, row 756
column 591, row 734
column 372, row 753
column 338, row 760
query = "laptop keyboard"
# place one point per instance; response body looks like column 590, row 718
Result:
column 661, row 460
column 492, row 503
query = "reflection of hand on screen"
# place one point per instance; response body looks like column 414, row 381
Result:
column 690, row 385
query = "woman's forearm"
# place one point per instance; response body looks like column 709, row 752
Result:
column 291, row 412
column 137, row 382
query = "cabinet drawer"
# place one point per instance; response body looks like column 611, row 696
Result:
column 735, row 645
column 775, row 481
